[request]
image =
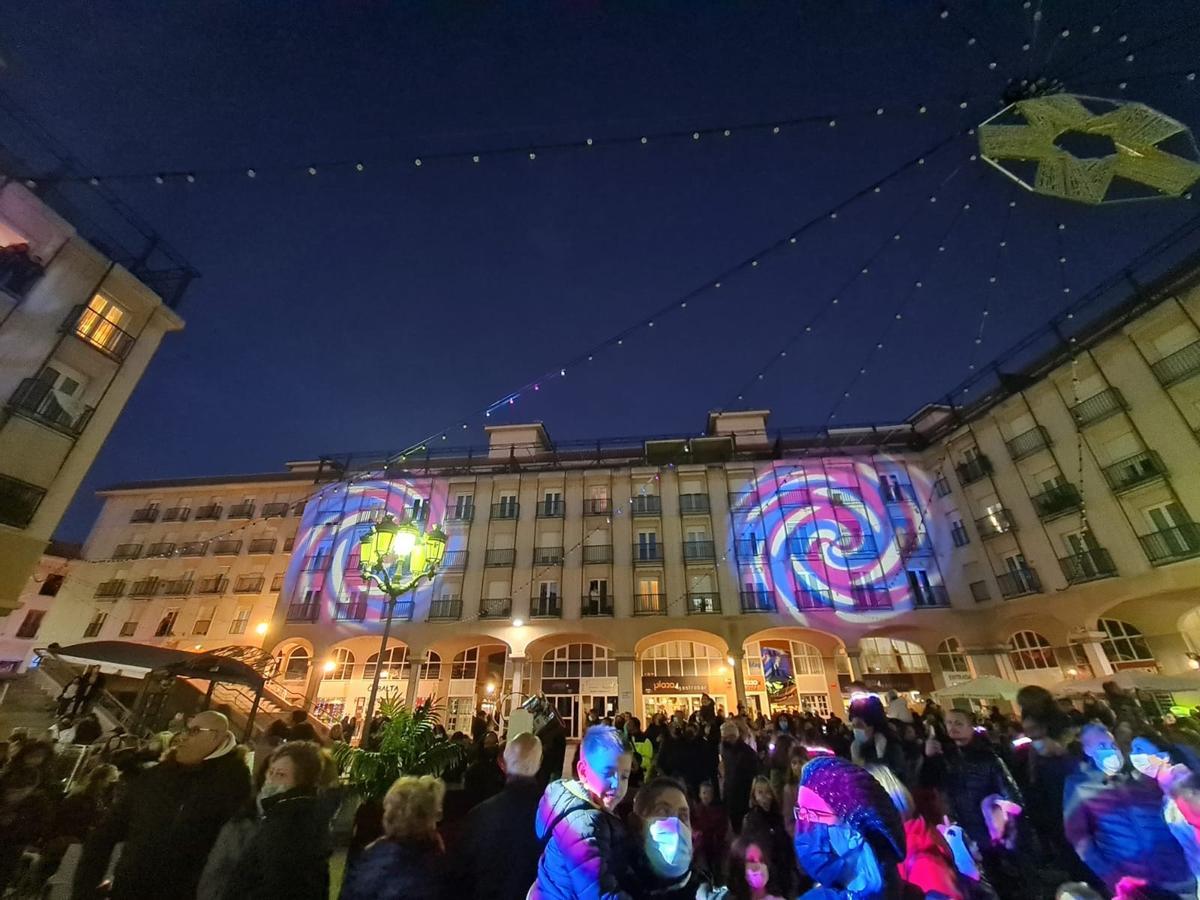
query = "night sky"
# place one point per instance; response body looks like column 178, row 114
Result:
column 366, row 310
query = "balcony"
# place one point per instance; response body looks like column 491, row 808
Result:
column 645, row 505
column 693, row 503
column 146, row 514
column 694, row 551
column 318, row 562
column 742, row 501
column 1099, row 407
column 795, row 498
column 941, row 486
column 1018, row 583
column 703, row 603
column 352, row 611
column 249, row 584
column 495, row 608
column 995, row 524
column 499, row 557
column 975, row 469
column 1179, row 366
column 597, row 506
column 262, row 546
column 867, row 596
column 454, row 560
column 19, row 501
column 288, row 544
column 192, row 548
column 145, row 587
column 647, row 554
column 814, row 598
column 855, row 546
column 548, row 607
column 213, row 584
column 99, row 332
column 1057, row 501
column 597, row 553
column 649, row 604
column 507, row 510
column 757, row 601
column 241, row 511
column 1087, row 566
column 277, row 582
column 446, row 609
column 547, row 556
column 177, row 587
column 797, row 549
column 161, row 549
column 401, row 610
column 177, row 514
column 1171, row 544
column 914, row 545
column 226, row 548
column 461, row 514
column 551, row 509
column 750, row 548
column 275, row 510
column 1028, row 442
column 1134, row 471
column 211, row 512
column 594, row 605
column 127, row 551
column 303, row 612
column 932, row 596
column 114, row 587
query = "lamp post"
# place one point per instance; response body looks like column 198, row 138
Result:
column 397, row 558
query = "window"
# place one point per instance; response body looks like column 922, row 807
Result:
column 166, row 623
column 431, row 669
column 979, row 591
column 920, row 588
column 94, row 626
column 508, row 506
column 682, row 658
column 343, row 665
column 552, row 503
column 647, row 545
column 892, row 655
column 203, row 620
column 100, row 324
column 395, row 663
column 464, row 507
column 547, row 600
column 958, row 533
column 1125, row 644
column 1029, row 650
column 889, row 486
column 31, row 624
column 1165, row 516
column 579, row 661
column 952, row 658
column 297, row 665
column 240, row 619
column 128, row 629
column 465, row 664
column 52, row 585
column 597, row 503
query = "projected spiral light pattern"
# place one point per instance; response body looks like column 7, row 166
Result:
column 831, row 538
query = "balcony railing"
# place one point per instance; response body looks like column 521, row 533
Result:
column 446, row 609
column 649, row 604
column 19, row 500
column 1098, row 407
column 1170, row 544
column 742, row 501
column 114, row 587
column 1087, row 566
column 161, row 549
column 693, row 503
column 547, row 556
column 1028, row 442
column 597, row 506
column 551, row 509
column 464, row 513
column 798, row 549
column 1057, row 501
column 747, row 548
column 262, row 545
column 509, row 510
column 647, row 553
column 597, row 553
column 703, row 603
column 402, row 610
column 549, row 607
column 995, row 524
column 277, row 582
column 795, row 498
column 352, row 611
column 856, row 545
column 973, row 470
column 1180, row 365
column 814, row 598
column 318, row 562
column 274, row 510
column 213, row 584
column 1134, row 471
column 941, row 486
column 249, row 584
column 913, row 545
column 303, row 612
column 646, row 505
column 100, row 332
column 127, row 551
column 593, row 605
column 192, row 548
column 699, row 550
column 495, row 608
column 867, row 596
column 226, row 548
column 241, row 511
column 757, row 601
column 146, row 514
column 177, row 514
column 177, row 587
column 932, row 596
column 1018, row 583
column 499, row 557
column 209, row 512
column 145, row 587
column 454, row 559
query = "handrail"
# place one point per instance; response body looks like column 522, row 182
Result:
column 60, row 673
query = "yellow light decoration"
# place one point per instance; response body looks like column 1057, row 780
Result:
column 1033, row 130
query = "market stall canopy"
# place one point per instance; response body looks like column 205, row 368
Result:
column 1140, row 681
column 138, row 660
column 985, row 687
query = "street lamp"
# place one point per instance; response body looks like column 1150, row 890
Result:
column 397, row 558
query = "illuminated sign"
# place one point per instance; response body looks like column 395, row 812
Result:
column 670, row 684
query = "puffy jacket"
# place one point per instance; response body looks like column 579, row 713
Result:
column 397, row 870
column 585, row 851
column 965, row 776
column 289, row 854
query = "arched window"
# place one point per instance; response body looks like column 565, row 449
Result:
column 681, row 658
column 465, row 664
column 1125, row 643
column 579, row 661
column 806, row 659
column 891, row 655
column 395, row 663
column 431, row 669
column 343, row 665
column 951, row 657
column 1029, row 650
column 297, row 665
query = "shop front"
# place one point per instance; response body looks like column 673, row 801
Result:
column 670, row 694
column 784, row 675
column 579, row 679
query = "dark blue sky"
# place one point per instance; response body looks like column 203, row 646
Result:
column 447, row 286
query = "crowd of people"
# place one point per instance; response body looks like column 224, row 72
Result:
column 893, row 802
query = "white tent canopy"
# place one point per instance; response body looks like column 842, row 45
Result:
column 1130, row 680
column 985, row 687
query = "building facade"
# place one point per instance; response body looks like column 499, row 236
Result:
column 77, row 330
column 24, row 630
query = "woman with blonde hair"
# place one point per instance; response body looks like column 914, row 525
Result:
column 407, row 861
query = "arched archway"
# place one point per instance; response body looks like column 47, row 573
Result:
column 1033, row 658
column 793, row 668
column 954, row 663
column 578, row 675
column 346, row 670
column 676, row 671
column 1125, row 645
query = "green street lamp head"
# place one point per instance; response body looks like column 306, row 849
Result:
column 435, row 547
column 377, row 543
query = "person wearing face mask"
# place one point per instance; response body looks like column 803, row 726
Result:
column 1152, row 762
column 874, row 739
column 1115, row 822
column 749, row 873
column 662, row 851
column 169, row 817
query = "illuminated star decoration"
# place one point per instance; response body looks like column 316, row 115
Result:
column 1091, row 150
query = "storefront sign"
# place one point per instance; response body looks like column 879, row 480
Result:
column 560, row 685
column 674, row 684
column 605, row 686
column 753, row 683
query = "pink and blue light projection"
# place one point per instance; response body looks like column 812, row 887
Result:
column 837, row 535
column 323, row 572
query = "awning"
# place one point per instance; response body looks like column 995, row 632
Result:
column 1130, row 680
column 985, row 687
column 136, row 660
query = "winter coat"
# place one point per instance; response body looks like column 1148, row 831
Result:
column 884, row 750
column 169, row 819
column 288, row 856
column 585, row 853
column 501, row 828
column 223, row 858
column 929, row 863
column 965, row 776
column 1117, row 828
column 396, row 870
column 740, row 764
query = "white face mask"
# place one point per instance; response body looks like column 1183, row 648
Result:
column 1109, row 760
column 669, row 846
column 1147, row 763
column 860, row 735
column 756, row 875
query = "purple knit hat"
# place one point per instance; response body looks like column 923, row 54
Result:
column 860, row 801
